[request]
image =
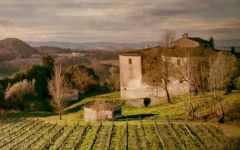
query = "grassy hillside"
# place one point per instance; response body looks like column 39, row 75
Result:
column 175, row 111
column 202, row 105
column 178, row 133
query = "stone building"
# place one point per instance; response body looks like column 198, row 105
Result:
column 135, row 67
column 191, row 42
column 101, row 111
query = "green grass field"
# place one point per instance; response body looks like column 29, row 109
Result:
column 175, row 111
column 44, row 130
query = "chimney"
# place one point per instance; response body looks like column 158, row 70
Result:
column 185, row 35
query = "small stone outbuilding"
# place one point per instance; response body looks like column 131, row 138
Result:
column 101, row 111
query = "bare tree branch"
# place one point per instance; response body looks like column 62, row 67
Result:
column 58, row 89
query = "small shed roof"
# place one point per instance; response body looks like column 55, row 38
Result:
column 102, row 105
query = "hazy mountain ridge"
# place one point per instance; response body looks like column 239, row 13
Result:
column 119, row 46
column 52, row 50
column 228, row 43
column 95, row 45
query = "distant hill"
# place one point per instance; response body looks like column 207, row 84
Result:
column 119, row 46
column 228, row 43
column 95, row 45
column 15, row 48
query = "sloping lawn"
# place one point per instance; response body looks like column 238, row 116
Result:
column 174, row 111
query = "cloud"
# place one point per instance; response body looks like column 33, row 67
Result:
column 6, row 23
column 117, row 20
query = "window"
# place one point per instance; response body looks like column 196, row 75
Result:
column 130, row 61
column 181, row 81
column 178, row 62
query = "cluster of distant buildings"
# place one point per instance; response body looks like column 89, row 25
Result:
column 65, row 55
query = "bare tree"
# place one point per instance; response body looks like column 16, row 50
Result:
column 58, row 89
column 167, row 38
column 194, row 71
column 187, row 104
column 165, row 70
column 114, row 81
column 99, row 69
column 102, row 110
column 184, row 72
column 219, row 74
column 82, row 78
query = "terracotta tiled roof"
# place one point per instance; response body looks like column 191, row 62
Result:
column 131, row 53
column 138, row 52
column 173, row 52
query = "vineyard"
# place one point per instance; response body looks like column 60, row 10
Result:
column 135, row 135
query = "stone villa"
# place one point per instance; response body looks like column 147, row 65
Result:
column 135, row 86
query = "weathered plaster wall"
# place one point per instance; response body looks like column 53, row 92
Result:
column 134, row 90
column 130, row 74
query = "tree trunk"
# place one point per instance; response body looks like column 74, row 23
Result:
column 185, row 107
column 229, row 87
column 195, row 91
column 60, row 116
column 166, row 90
column 168, row 96
column 221, row 120
column 192, row 109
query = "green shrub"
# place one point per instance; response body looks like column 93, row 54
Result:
column 41, row 74
column 238, row 83
column 1, row 98
column 20, row 94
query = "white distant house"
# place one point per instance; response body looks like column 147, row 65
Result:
column 70, row 55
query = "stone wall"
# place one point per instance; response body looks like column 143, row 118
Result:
column 144, row 102
column 91, row 114
column 155, row 93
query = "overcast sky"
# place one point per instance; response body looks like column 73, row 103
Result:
column 117, row 20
